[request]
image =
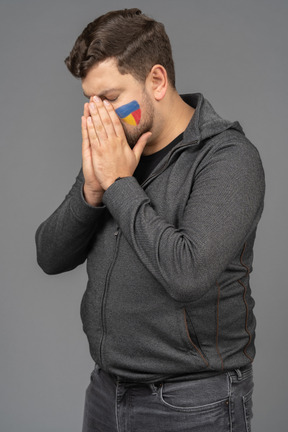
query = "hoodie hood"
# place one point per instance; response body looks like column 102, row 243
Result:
column 205, row 123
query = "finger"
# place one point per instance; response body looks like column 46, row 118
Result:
column 87, row 164
column 93, row 137
column 85, row 138
column 86, row 110
column 103, row 111
column 97, row 122
column 84, row 131
column 115, row 119
column 140, row 145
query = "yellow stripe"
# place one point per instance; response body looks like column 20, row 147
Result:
column 130, row 120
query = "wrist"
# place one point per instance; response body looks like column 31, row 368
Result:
column 93, row 198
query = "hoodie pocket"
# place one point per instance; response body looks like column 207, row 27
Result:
column 191, row 339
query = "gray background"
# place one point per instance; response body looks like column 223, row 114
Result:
column 235, row 52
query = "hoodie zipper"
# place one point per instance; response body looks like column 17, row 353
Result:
column 117, row 235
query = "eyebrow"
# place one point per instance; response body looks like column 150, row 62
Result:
column 104, row 93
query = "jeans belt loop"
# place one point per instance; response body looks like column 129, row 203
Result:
column 239, row 374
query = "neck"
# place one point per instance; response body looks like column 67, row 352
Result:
column 174, row 117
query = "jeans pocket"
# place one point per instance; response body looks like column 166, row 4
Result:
column 198, row 395
column 248, row 413
column 194, row 411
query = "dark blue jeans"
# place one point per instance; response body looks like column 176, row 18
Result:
column 221, row 403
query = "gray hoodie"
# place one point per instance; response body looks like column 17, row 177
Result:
column 168, row 261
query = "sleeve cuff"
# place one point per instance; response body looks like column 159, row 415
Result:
column 123, row 196
column 83, row 211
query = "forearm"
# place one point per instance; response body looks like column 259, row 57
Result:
column 171, row 255
column 221, row 212
column 63, row 240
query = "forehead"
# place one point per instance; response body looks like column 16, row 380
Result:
column 105, row 76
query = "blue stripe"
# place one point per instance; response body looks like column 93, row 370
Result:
column 127, row 109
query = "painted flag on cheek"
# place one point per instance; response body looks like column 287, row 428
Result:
column 130, row 113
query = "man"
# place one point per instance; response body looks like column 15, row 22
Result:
column 165, row 210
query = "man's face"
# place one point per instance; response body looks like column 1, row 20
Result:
column 125, row 93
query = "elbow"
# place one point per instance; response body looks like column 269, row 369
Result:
column 190, row 288
column 191, row 274
column 45, row 255
column 46, row 265
column 52, row 265
column 45, row 262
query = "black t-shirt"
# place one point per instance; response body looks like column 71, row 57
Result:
column 148, row 163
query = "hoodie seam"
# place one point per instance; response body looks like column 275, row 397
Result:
column 245, row 303
column 217, row 327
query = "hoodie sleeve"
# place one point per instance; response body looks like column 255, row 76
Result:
column 63, row 240
column 224, row 208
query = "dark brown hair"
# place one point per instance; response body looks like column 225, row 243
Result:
column 135, row 40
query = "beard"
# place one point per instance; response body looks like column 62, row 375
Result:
column 146, row 122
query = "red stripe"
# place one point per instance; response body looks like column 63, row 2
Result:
column 137, row 115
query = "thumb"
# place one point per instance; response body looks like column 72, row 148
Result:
column 140, row 145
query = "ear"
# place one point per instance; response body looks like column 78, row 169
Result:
column 158, row 81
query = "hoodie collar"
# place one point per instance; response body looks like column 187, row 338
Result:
column 205, row 122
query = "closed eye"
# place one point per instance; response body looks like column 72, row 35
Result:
column 111, row 100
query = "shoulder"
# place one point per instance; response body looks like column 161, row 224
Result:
column 235, row 147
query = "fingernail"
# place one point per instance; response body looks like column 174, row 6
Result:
column 96, row 99
column 92, row 106
column 106, row 102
